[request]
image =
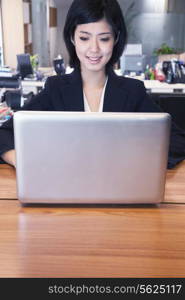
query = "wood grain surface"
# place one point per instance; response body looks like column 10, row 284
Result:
column 92, row 241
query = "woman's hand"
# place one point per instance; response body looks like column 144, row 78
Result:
column 9, row 157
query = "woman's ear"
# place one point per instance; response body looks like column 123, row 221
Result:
column 72, row 41
column 117, row 38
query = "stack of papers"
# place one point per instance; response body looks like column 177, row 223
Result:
column 5, row 72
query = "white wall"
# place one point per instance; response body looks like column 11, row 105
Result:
column 13, row 30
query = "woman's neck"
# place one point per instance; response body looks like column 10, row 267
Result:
column 93, row 79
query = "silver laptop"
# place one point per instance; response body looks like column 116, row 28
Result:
column 91, row 158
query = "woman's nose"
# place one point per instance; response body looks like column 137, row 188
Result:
column 94, row 45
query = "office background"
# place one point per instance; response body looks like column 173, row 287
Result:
column 36, row 26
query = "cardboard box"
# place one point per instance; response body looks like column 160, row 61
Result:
column 165, row 57
column 182, row 57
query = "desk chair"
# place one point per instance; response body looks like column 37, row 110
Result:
column 12, row 91
column 24, row 66
column 174, row 104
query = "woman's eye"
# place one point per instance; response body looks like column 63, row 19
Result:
column 105, row 39
column 82, row 38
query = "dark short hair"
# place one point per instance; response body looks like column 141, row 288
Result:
column 88, row 11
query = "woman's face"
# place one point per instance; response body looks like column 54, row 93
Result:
column 94, row 43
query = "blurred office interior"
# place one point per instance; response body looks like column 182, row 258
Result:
column 35, row 27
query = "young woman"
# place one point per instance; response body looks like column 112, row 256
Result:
column 95, row 36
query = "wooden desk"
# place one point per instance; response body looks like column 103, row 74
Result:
column 155, row 86
column 36, row 85
column 32, row 86
column 174, row 192
column 93, row 241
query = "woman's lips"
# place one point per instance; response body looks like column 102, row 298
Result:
column 94, row 60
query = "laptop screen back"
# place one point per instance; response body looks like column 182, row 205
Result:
column 77, row 157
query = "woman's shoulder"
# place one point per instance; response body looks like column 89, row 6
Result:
column 130, row 81
column 127, row 82
column 63, row 79
column 59, row 79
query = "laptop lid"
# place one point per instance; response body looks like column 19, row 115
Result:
column 78, row 157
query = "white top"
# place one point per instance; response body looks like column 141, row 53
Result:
column 100, row 109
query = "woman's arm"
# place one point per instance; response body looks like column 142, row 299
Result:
column 39, row 102
column 9, row 157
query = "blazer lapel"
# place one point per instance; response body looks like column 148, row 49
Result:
column 72, row 92
column 115, row 94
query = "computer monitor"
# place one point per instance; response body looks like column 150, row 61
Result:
column 133, row 49
column 24, row 66
column 132, row 63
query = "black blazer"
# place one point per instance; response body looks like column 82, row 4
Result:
column 65, row 93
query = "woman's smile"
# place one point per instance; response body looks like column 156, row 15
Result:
column 94, row 60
